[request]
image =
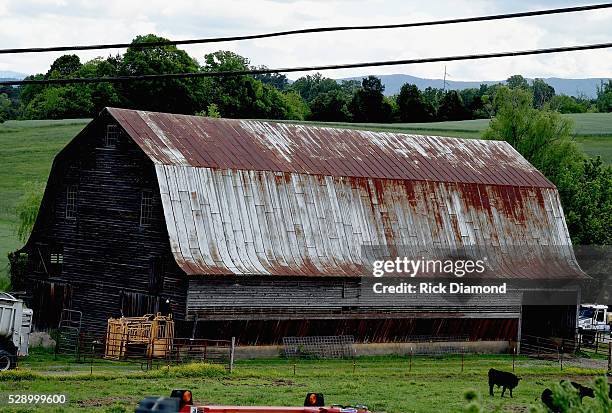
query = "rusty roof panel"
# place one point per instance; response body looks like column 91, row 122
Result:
column 250, row 197
column 320, row 223
column 268, row 146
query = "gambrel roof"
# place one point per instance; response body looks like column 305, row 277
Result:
column 250, row 197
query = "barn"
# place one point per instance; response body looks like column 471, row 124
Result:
column 256, row 229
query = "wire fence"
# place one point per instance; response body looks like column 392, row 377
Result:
column 150, row 354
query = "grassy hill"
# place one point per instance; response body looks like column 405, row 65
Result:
column 27, row 149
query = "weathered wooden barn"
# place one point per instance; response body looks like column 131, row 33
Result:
column 255, row 229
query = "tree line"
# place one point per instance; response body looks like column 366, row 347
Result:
column 266, row 96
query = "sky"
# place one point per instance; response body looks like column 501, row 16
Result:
column 39, row 23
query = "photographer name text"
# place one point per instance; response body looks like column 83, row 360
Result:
column 437, row 288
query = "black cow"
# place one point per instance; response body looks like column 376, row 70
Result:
column 547, row 399
column 583, row 391
column 502, row 379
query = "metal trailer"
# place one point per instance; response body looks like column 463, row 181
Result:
column 15, row 328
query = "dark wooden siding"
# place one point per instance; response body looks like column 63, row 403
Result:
column 111, row 263
column 257, row 297
column 253, row 332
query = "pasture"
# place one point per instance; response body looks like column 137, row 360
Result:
column 384, row 383
column 27, row 149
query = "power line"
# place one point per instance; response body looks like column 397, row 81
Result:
column 116, row 79
column 310, row 30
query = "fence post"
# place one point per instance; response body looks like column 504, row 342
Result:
column 596, row 341
column 231, row 364
column 561, row 359
column 410, row 365
column 513, row 358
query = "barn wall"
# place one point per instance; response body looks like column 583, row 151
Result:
column 111, row 263
column 257, row 297
column 262, row 332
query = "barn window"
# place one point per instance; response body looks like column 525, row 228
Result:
column 146, row 208
column 71, row 201
column 112, row 136
column 56, row 260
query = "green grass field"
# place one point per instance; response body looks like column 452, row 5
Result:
column 385, row 384
column 27, row 149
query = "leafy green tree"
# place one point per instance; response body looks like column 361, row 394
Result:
column 432, row 97
column 311, row 86
column 64, row 66
column 277, row 80
column 331, row 106
column 542, row 93
column 604, row 97
column 587, row 195
column 368, row 103
column 451, row 107
column 166, row 95
column 296, row 106
column 412, row 106
column 517, row 82
column 60, row 103
column 27, row 209
column 5, row 107
column 567, row 104
column 543, row 137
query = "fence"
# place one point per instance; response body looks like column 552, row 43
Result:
column 587, row 349
column 319, row 347
column 154, row 353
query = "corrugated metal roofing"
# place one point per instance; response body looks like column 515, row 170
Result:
column 251, row 197
column 253, row 145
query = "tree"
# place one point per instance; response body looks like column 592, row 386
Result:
column 166, row 95
column 432, row 98
column 411, row 105
column 368, row 103
column 277, row 80
column 5, row 107
column 310, row 86
column 567, row 104
column 542, row 93
column 331, row 106
column 296, row 106
column 517, row 82
column 27, row 209
column 242, row 96
column 64, row 66
column 451, row 107
column 604, row 97
column 543, row 137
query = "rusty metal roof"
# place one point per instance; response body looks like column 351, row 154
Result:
column 254, row 145
column 252, row 197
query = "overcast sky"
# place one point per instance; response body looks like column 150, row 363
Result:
column 36, row 23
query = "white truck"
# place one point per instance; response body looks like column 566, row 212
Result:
column 594, row 317
column 15, row 327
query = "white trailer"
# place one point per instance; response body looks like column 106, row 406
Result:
column 593, row 317
column 15, row 327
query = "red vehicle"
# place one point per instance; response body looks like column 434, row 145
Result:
column 181, row 401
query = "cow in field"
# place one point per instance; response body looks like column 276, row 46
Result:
column 502, row 379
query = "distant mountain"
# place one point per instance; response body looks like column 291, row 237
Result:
column 10, row 75
column 572, row 87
